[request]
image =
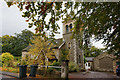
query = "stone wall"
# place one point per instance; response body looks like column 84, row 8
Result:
column 104, row 62
column 24, row 53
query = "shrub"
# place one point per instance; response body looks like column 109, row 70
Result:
column 7, row 59
column 55, row 63
column 82, row 70
column 49, row 70
column 65, row 54
column 0, row 61
column 73, row 67
column 10, row 69
column 24, row 62
column 17, row 58
column 16, row 63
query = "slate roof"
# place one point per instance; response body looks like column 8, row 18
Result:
column 56, row 44
column 27, row 48
column 89, row 58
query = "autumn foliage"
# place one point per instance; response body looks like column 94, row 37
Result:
column 40, row 51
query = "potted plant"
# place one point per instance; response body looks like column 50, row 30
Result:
column 23, row 69
column 33, row 68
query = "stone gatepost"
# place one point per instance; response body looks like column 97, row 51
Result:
column 64, row 69
column 114, row 66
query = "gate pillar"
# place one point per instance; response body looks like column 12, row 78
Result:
column 64, row 69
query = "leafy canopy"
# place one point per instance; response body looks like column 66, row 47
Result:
column 93, row 18
column 93, row 52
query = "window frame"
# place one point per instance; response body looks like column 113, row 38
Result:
column 67, row 28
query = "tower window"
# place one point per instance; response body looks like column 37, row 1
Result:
column 70, row 26
column 67, row 28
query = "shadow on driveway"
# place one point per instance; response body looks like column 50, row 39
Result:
column 93, row 74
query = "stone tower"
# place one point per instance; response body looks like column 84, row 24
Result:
column 76, row 54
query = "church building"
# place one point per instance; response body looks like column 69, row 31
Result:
column 76, row 54
column 67, row 42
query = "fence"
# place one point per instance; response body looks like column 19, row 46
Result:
column 49, row 66
column 63, row 67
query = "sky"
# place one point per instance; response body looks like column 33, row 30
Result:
column 11, row 22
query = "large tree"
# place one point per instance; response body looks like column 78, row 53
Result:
column 92, row 18
column 8, row 43
column 93, row 52
column 103, row 21
column 15, row 44
column 41, row 50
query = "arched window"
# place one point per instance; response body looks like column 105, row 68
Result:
column 89, row 64
column 67, row 30
column 70, row 26
column 69, row 45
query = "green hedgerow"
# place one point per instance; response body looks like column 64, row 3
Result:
column 73, row 67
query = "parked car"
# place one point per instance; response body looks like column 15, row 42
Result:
column 118, row 70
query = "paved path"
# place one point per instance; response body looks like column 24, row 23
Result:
column 6, row 77
column 16, row 75
column 92, row 74
column 81, row 75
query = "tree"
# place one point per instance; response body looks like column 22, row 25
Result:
column 103, row 21
column 23, row 40
column 15, row 44
column 99, row 19
column 93, row 52
column 40, row 50
column 36, row 12
column 8, row 43
column 65, row 54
